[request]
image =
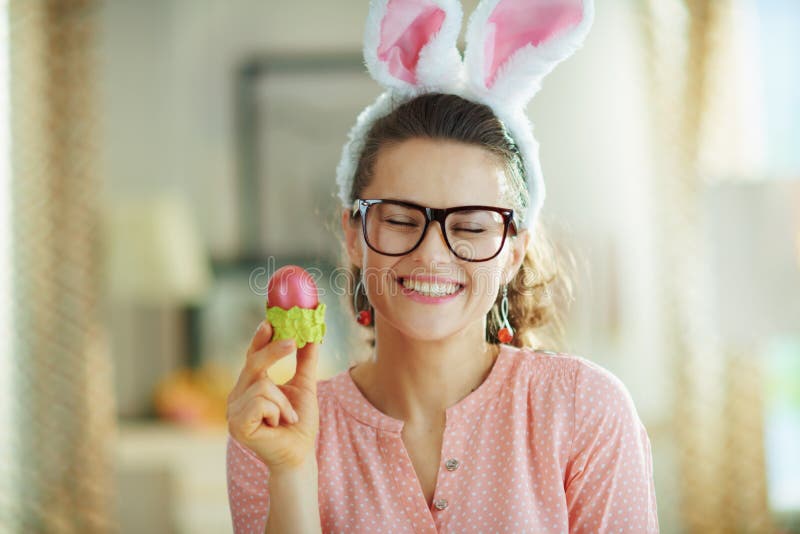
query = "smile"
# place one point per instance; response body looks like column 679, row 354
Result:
column 430, row 292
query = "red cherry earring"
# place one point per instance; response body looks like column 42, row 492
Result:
column 506, row 333
column 364, row 317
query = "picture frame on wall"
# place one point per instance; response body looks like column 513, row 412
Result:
column 294, row 113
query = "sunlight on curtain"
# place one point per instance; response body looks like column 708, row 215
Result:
column 732, row 137
column 63, row 404
column 708, row 129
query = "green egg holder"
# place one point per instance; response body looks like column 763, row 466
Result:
column 303, row 324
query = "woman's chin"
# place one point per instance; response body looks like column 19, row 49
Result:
column 427, row 328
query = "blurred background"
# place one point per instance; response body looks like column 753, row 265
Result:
column 160, row 158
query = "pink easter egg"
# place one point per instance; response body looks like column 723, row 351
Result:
column 290, row 286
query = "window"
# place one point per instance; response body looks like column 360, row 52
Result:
column 779, row 43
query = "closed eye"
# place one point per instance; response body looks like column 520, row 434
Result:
column 400, row 223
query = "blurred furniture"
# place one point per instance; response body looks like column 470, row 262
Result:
column 171, row 479
column 158, row 271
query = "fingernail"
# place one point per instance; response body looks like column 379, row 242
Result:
column 286, row 343
column 295, row 417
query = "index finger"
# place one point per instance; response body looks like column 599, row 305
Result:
column 261, row 338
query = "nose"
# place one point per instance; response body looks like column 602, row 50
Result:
column 433, row 245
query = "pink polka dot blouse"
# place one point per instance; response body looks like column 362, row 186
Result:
column 549, row 442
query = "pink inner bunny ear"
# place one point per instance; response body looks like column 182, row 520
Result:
column 407, row 27
column 516, row 23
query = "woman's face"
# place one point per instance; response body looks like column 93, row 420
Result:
column 436, row 174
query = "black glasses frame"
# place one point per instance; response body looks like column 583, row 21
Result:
column 361, row 205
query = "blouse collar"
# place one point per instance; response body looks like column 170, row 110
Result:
column 357, row 406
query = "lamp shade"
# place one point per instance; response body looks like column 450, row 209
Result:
column 155, row 253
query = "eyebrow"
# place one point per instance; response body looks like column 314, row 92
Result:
column 446, row 207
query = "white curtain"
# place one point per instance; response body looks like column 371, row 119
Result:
column 62, row 409
column 706, row 126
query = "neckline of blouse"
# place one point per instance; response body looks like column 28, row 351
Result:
column 359, row 407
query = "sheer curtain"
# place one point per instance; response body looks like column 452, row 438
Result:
column 706, row 127
column 62, row 411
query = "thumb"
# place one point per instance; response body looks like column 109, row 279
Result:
column 306, row 371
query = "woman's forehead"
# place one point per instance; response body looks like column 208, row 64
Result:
column 438, row 173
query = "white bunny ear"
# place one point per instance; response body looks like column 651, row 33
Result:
column 410, row 45
column 511, row 45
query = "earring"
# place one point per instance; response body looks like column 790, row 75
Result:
column 364, row 317
column 506, row 333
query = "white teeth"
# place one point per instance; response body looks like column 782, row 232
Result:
column 431, row 290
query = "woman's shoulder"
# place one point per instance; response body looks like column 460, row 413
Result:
column 542, row 362
column 581, row 374
column 583, row 391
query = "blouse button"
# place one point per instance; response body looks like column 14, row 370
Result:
column 440, row 504
column 451, row 464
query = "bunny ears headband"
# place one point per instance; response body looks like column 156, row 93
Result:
column 511, row 45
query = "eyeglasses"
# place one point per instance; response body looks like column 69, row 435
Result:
column 396, row 227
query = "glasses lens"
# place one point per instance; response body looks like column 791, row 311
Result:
column 392, row 228
column 475, row 234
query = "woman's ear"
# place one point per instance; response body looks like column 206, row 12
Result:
column 518, row 251
column 352, row 236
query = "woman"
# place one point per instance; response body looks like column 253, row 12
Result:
column 455, row 423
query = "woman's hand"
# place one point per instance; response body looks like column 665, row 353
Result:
column 260, row 412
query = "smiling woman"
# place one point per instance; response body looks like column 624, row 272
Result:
column 417, row 145
column 443, row 403
column 457, row 420
column 437, row 171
